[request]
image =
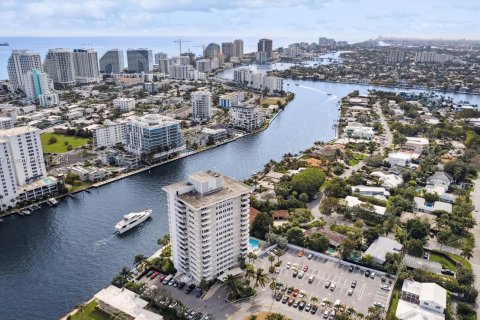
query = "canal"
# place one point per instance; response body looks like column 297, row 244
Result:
column 59, row 257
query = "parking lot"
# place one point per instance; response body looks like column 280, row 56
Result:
column 325, row 269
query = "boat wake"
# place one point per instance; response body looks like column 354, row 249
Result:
column 332, row 97
column 103, row 241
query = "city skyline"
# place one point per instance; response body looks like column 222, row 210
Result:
column 360, row 19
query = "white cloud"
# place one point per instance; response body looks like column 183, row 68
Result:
column 90, row 9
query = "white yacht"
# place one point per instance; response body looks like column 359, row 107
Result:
column 131, row 220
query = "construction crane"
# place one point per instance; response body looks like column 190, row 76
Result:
column 180, row 41
column 202, row 46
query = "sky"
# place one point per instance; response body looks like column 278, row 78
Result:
column 305, row 20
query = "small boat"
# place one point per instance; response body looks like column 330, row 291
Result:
column 26, row 212
column 52, row 202
column 1, row 220
column 132, row 220
column 329, row 94
column 4, row 44
column 297, row 84
column 20, row 213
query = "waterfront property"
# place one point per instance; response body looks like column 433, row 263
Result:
column 208, row 222
column 59, row 143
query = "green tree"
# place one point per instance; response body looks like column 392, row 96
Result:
column 465, row 276
column 260, row 278
column 139, row 258
column 261, row 225
column 308, row 181
column 346, row 247
column 467, row 251
column 295, row 235
column 276, row 316
column 249, row 272
column 337, row 187
column 52, row 140
column 328, row 205
column 371, row 234
column 318, row 242
column 417, row 228
column 414, row 247
column 457, row 169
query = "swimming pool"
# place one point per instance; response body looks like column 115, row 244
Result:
column 253, row 244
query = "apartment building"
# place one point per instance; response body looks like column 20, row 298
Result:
column 201, row 105
column 208, row 222
column 19, row 63
column 231, row 99
column 109, row 134
column 112, row 61
column 60, row 68
column 140, row 60
column 124, row 104
column 247, row 117
column 86, row 66
column 153, row 134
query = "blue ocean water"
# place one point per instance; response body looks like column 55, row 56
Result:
column 103, row 44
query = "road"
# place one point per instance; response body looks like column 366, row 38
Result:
column 475, row 260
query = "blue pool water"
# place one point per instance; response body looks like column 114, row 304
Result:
column 253, row 243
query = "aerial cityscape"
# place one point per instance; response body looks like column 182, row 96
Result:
column 247, row 160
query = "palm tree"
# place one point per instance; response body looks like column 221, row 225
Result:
column 467, row 252
column 252, row 317
column 260, row 278
column 139, row 258
column 277, row 316
column 251, row 256
column 314, row 299
column 271, row 259
column 232, row 283
column 249, row 272
column 80, row 308
column 278, row 253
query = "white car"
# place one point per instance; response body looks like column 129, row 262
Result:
column 295, row 266
column 385, row 287
column 379, row 304
column 288, row 265
column 350, row 291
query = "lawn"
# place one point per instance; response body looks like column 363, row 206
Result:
column 442, row 260
column 393, row 304
column 357, row 157
column 60, row 146
column 270, row 101
column 90, row 313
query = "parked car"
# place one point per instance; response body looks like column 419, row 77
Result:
column 149, row 273
column 181, row 285
column 208, row 317
column 173, row 304
column 285, row 299
column 350, row 269
column 295, row 266
column 300, row 253
column 379, row 304
column 187, row 311
column 333, row 286
column 154, row 275
column 190, row 288
column 350, row 291
column 192, row 314
column 448, row 272
column 325, row 314
column 324, row 302
column 301, row 305
column 288, row 265
column 199, row 294
column 327, row 284
column 311, row 279
column 295, row 273
column 372, row 275
column 289, row 290
column 161, row 277
column 367, row 273
column 308, row 307
column 305, row 269
column 385, row 287
column 295, row 292
column 314, row 309
column 295, row 304
column 309, row 256
column 354, row 283
column 167, row 279
column 383, row 279
column 301, row 274
column 291, row 301
column 279, row 297
column 425, row 255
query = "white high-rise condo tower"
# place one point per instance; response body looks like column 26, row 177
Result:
column 19, row 63
column 60, row 68
column 208, row 221
column 201, row 105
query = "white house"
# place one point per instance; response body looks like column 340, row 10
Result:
column 389, row 181
column 422, row 206
column 416, row 144
column 370, row 191
column 380, row 247
column 354, row 201
column 441, row 178
column 401, row 159
column 423, row 301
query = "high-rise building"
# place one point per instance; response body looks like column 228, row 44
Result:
column 60, row 68
column 19, row 63
column 180, row 72
column 201, row 105
column 265, row 45
column 109, row 134
column 208, row 224
column 425, row 56
column 140, row 60
column 160, row 55
column 112, row 61
column 204, row 65
column 22, row 167
column 124, row 104
column 261, row 57
column 153, row 134
column 227, row 50
column 211, row 50
column 237, row 48
column 163, row 65
column 38, row 87
column 396, row 56
column 247, row 117
column 86, row 66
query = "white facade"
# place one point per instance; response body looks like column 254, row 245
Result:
column 238, row 48
column 86, row 66
column 48, row 100
column 273, row 83
column 247, row 117
column 401, row 159
column 124, row 104
column 201, row 105
column 208, row 223
column 231, row 99
column 8, row 188
column 6, row 123
column 59, row 66
column 19, row 63
column 204, row 65
column 421, row 301
column 416, row 144
column 109, row 134
column 180, row 71
column 36, row 83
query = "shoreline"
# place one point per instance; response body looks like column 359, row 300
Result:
column 143, row 169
